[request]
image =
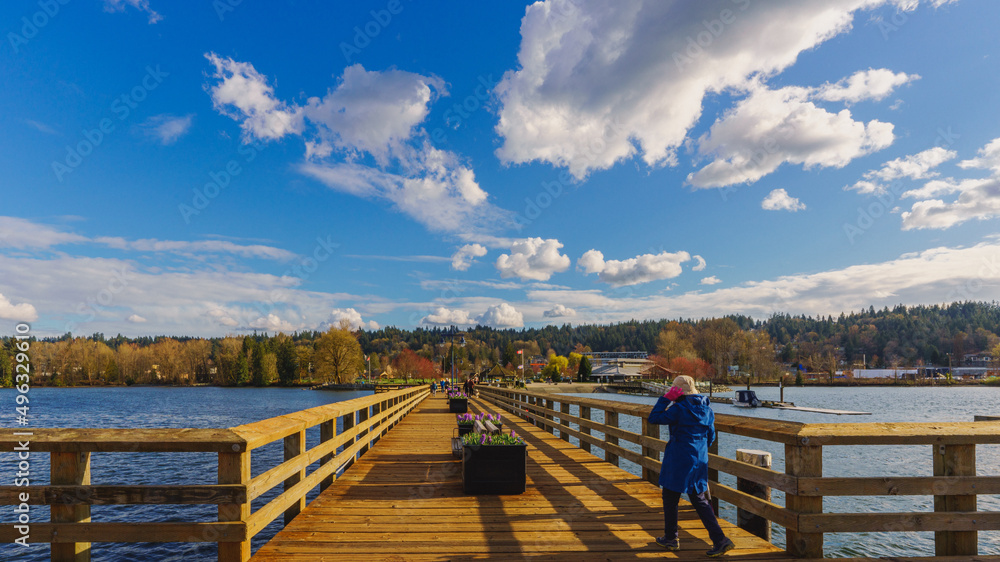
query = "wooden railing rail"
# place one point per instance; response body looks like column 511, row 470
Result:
column 954, row 485
column 70, row 494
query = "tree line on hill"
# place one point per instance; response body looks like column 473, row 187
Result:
column 901, row 336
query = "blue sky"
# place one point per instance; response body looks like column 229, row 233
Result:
column 210, row 168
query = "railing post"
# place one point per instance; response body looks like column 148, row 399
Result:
column 549, row 405
column 327, row 431
column 744, row 519
column 376, row 410
column 955, row 460
column 70, row 469
column 363, row 417
column 349, row 424
column 234, row 468
column 611, row 420
column 564, row 409
column 713, row 473
column 295, row 445
column 803, row 460
column 585, row 414
column 650, row 430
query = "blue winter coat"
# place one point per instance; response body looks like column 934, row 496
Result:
column 692, row 430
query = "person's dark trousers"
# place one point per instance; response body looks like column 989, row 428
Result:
column 701, row 505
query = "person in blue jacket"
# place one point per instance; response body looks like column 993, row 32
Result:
column 685, row 462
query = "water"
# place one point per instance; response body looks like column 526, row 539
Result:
column 202, row 407
column 907, row 404
column 227, row 407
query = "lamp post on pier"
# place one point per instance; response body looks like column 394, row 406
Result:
column 452, row 333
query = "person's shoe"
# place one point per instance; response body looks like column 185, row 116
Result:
column 723, row 547
column 669, row 545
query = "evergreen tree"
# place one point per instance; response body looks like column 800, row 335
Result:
column 584, row 371
column 287, row 362
column 6, row 368
column 509, row 355
column 242, row 370
column 257, row 373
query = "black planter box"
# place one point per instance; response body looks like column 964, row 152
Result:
column 458, row 405
column 463, row 429
column 494, row 469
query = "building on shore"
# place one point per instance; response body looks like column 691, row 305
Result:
column 620, row 366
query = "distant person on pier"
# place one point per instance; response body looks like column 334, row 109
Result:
column 685, row 461
column 434, row 388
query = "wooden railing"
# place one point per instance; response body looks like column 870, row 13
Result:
column 954, row 485
column 71, row 493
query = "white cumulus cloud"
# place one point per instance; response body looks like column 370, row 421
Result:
column 368, row 115
column 352, row 318
column 713, row 280
column 977, row 199
column 502, row 315
column 769, row 128
column 913, row 166
column 466, row 256
column 559, row 311
column 780, row 200
column 700, row 263
column 135, row 319
column 632, row 271
column 600, row 82
column 873, row 84
column 989, row 158
column 23, row 312
column 273, row 323
column 533, row 258
column 245, row 95
column 447, row 317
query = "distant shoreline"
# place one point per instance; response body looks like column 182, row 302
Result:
column 570, row 388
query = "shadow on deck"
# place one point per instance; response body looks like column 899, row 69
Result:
column 403, row 501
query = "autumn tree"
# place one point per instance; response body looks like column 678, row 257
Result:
column 674, row 341
column 409, row 365
column 338, row 355
column 556, row 366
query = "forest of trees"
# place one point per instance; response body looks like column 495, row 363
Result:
column 901, row 336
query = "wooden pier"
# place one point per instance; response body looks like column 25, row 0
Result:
column 403, row 501
column 400, row 496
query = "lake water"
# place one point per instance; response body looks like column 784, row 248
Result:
column 226, row 407
column 906, row 404
column 149, row 407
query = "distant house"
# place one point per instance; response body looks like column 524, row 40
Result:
column 655, row 371
column 977, row 360
column 627, row 365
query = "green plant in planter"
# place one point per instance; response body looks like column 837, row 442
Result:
column 494, row 463
column 492, row 418
column 458, row 402
column 480, row 439
column 466, row 419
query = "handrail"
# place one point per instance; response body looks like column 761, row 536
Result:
column 70, row 493
column 954, row 484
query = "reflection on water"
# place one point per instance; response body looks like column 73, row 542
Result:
column 917, row 404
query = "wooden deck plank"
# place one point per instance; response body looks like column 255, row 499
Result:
column 403, row 500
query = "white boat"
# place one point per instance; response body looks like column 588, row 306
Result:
column 746, row 399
